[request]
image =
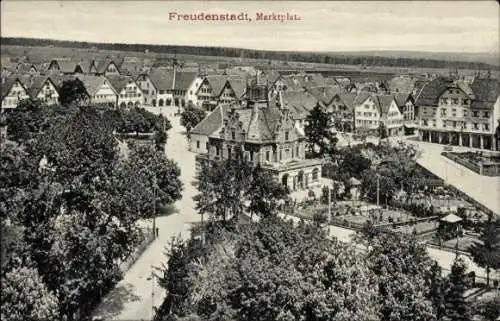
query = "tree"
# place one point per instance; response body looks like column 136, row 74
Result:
column 486, row 251
column 382, row 131
column 320, row 139
column 73, row 92
column 274, row 271
column 401, row 274
column 191, row 116
column 26, row 298
column 457, row 309
column 489, row 308
column 264, row 193
column 222, row 187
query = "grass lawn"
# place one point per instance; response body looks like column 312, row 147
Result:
column 464, row 242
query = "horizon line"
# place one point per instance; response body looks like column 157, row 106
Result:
column 270, row 50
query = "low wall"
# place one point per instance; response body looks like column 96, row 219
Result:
column 148, row 239
column 481, row 169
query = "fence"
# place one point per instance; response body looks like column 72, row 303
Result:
column 481, row 169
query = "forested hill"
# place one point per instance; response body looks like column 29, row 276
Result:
column 312, row 57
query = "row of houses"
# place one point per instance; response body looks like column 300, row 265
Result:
column 112, row 90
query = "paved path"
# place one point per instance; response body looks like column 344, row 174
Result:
column 132, row 298
column 484, row 189
column 444, row 258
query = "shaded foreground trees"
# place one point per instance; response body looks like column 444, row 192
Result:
column 69, row 199
column 234, row 186
column 273, row 270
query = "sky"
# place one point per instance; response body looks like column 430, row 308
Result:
column 448, row 26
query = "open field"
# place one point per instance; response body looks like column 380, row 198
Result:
column 44, row 54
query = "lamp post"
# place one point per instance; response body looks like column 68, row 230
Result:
column 154, row 206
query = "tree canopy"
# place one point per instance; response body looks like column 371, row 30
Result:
column 191, row 116
column 320, row 139
column 69, row 203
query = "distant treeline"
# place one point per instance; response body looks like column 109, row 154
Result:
column 310, row 57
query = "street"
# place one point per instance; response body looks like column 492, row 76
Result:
column 134, row 297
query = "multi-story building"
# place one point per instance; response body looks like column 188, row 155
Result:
column 372, row 110
column 129, row 93
column 458, row 113
column 148, row 89
column 190, row 97
column 13, row 91
column 99, row 89
column 265, row 135
column 220, row 89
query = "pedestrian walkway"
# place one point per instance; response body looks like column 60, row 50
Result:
column 137, row 294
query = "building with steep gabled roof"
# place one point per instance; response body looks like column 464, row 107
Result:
column 458, row 112
column 376, row 110
column 129, row 94
column 262, row 133
column 99, row 89
column 41, row 88
column 13, row 91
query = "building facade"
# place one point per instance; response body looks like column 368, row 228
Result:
column 456, row 113
column 266, row 136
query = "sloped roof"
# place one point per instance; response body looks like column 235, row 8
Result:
column 184, row 79
column 33, row 83
column 324, row 94
column 67, row 66
column 9, row 82
column 91, row 83
column 119, row 81
column 401, row 98
column 361, row 97
column 239, row 86
column 211, row 123
column 298, row 99
column 401, row 84
column 162, row 78
column 430, row 92
column 102, row 64
column 383, row 102
column 258, row 129
column 486, row 92
column 348, row 98
column 217, row 82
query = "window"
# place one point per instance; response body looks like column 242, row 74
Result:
column 465, row 101
column 486, row 114
column 207, row 146
column 286, row 136
column 229, row 152
column 475, row 114
column 217, row 152
column 233, row 135
column 476, row 126
column 297, row 151
column 367, row 106
column 197, row 144
column 443, row 112
column 267, row 156
column 443, row 101
column 454, row 101
column 454, row 124
column 486, row 127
